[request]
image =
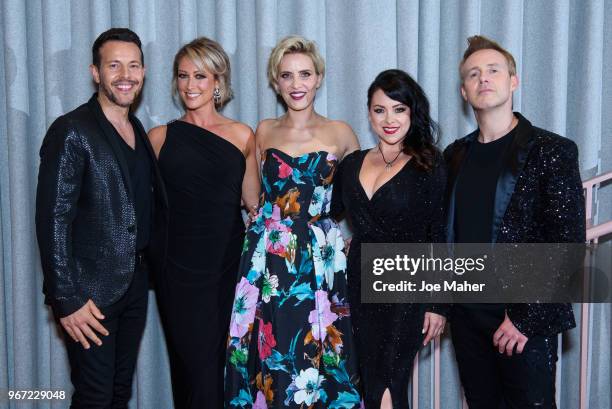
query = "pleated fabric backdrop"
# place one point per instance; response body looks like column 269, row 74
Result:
column 563, row 52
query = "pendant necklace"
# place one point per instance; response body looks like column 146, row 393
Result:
column 388, row 164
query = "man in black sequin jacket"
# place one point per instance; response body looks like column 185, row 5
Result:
column 509, row 182
column 98, row 191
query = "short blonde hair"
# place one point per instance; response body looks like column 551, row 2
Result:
column 207, row 55
column 477, row 43
column 293, row 45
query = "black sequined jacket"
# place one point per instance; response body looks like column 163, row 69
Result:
column 85, row 217
column 539, row 199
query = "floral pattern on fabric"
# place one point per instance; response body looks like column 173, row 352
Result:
column 290, row 342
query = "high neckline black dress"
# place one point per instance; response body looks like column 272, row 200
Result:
column 203, row 173
column 409, row 208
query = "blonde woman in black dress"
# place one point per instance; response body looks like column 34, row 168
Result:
column 208, row 164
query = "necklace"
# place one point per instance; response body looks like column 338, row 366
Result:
column 388, row 164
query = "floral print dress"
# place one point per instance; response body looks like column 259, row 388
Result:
column 290, row 342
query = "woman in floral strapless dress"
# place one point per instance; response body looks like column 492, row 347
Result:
column 290, row 340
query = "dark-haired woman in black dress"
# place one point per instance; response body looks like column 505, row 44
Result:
column 208, row 164
column 392, row 193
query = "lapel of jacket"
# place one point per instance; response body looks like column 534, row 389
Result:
column 513, row 163
column 455, row 163
column 140, row 133
column 110, row 134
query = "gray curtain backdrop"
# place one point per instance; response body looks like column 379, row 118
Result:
column 563, row 55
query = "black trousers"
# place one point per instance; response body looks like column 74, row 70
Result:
column 496, row 381
column 102, row 375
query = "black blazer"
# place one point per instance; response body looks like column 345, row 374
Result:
column 85, row 217
column 539, row 199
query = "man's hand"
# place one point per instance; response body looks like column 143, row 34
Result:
column 79, row 324
column 433, row 325
column 507, row 337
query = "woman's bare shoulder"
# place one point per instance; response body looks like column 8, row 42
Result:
column 157, row 137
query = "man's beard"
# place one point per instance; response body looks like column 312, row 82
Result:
column 113, row 98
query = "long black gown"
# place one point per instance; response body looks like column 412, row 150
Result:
column 203, row 174
column 409, row 208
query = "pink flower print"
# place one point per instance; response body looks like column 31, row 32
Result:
column 284, row 170
column 274, row 217
column 243, row 311
column 279, row 235
column 266, row 340
column 322, row 316
column 260, row 401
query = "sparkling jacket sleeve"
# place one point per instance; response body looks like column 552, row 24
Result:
column 59, row 185
column 563, row 220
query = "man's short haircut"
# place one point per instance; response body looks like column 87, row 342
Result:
column 115, row 34
column 294, row 45
column 477, row 43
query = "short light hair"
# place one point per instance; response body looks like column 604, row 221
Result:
column 293, row 45
column 207, row 55
column 477, row 43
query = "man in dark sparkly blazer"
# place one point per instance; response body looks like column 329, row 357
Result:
column 98, row 192
column 509, row 182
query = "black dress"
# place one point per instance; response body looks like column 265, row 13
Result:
column 409, row 208
column 203, row 174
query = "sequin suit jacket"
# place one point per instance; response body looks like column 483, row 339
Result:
column 539, row 199
column 85, row 216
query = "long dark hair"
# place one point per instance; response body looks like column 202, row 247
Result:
column 420, row 141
